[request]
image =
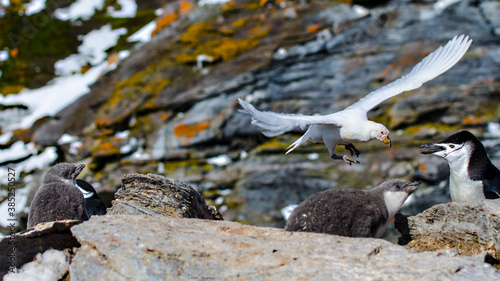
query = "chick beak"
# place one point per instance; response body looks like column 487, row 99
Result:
column 387, row 141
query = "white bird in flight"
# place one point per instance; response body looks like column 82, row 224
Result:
column 351, row 124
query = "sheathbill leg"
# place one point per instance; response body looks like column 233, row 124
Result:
column 346, row 159
column 352, row 149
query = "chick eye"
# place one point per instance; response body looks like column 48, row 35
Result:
column 452, row 146
column 398, row 187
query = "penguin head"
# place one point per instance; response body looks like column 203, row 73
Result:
column 63, row 172
column 395, row 192
column 456, row 147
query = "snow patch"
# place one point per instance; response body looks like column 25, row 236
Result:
column 128, row 9
column 221, row 160
column 92, row 50
column 143, row 35
column 81, row 9
column 51, row 265
column 34, row 7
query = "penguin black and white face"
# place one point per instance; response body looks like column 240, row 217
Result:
column 456, row 149
column 395, row 193
column 445, row 150
column 63, row 172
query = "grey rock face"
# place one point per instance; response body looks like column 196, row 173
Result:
column 469, row 227
column 165, row 248
column 156, row 195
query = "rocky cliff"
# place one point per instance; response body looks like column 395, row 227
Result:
column 158, row 112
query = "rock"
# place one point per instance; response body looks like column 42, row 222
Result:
column 165, row 248
column 156, row 195
column 28, row 244
column 469, row 227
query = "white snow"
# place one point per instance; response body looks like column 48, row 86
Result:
column 34, row 7
column 52, row 98
column 494, row 129
column 18, row 150
column 128, row 9
column 220, row 160
column 81, row 9
column 437, row 8
column 49, row 266
column 64, row 90
column 313, row 156
column 4, row 55
column 143, row 35
column 44, row 159
column 92, row 50
column 211, row 2
column 4, row 138
column 66, row 138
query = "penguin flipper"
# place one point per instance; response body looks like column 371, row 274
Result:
column 491, row 188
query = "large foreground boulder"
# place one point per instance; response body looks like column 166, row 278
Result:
column 140, row 247
column 470, row 228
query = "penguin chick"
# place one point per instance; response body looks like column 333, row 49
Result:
column 93, row 203
column 58, row 198
column 353, row 213
column 472, row 175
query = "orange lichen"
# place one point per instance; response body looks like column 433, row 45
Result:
column 13, row 53
column 314, row 28
column 164, row 22
column 472, row 120
column 185, row 7
column 164, row 116
column 104, row 121
column 422, row 167
column 189, row 131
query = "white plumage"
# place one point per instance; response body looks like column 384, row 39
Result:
column 352, row 125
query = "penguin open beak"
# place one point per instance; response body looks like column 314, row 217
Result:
column 431, row 148
column 387, row 141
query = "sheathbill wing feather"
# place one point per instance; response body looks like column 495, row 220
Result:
column 436, row 63
column 272, row 124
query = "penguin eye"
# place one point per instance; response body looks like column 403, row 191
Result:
column 452, row 146
column 398, row 187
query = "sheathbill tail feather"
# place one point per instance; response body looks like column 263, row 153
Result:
column 273, row 124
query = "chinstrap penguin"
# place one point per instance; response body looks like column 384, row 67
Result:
column 353, row 213
column 58, row 198
column 472, row 175
column 93, row 203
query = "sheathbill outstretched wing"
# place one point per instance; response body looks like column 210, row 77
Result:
column 433, row 65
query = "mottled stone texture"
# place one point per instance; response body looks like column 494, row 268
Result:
column 156, row 195
column 166, row 248
column 469, row 227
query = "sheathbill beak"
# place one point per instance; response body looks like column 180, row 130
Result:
column 387, row 141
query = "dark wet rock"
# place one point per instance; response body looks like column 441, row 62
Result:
column 469, row 227
column 156, row 195
column 162, row 248
column 28, row 244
